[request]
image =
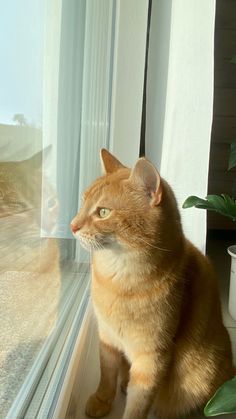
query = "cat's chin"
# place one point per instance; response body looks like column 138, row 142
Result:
column 104, row 243
column 94, row 247
column 83, row 242
column 87, row 247
column 98, row 247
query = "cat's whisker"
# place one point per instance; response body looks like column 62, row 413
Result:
column 152, row 245
column 92, row 243
column 97, row 246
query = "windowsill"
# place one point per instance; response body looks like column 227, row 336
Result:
column 40, row 387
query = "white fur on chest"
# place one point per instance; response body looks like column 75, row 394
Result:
column 108, row 333
column 117, row 316
column 121, row 265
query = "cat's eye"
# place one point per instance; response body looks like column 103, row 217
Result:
column 104, row 212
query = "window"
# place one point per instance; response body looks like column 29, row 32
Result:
column 55, row 82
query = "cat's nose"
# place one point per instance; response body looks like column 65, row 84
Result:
column 74, row 227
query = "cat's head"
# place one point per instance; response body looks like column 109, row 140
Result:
column 20, row 185
column 21, row 192
column 124, row 209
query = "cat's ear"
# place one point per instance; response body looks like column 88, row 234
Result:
column 110, row 163
column 35, row 162
column 146, row 175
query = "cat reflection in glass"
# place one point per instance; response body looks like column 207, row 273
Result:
column 155, row 297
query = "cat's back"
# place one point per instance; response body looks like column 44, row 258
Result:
column 201, row 318
column 199, row 271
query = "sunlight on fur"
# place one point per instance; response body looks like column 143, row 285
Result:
column 155, row 297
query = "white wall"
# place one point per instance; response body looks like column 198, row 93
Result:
column 179, row 124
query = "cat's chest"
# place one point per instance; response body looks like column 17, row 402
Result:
column 116, row 316
column 127, row 321
column 109, row 303
column 123, row 313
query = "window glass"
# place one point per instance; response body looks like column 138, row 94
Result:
column 28, row 292
column 53, row 121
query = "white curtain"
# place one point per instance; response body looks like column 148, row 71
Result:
column 77, row 92
column 180, row 101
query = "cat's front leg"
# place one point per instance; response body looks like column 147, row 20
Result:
column 99, row 404
column 124, row 373
column 145, row 372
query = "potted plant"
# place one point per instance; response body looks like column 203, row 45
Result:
column 224, row 400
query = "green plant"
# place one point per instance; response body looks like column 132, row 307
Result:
column 223, row 204
column 223, row 401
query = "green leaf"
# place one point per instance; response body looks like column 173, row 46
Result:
column 232, row 157
column 192, row 201
column 233, row 59
column 223, row 401
column 223, row 204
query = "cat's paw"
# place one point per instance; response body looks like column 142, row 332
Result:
column 96, row 408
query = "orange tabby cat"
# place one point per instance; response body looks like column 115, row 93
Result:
column 155, row 297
